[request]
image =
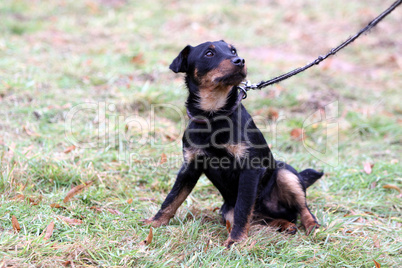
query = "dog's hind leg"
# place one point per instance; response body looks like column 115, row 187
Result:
column 291, row 193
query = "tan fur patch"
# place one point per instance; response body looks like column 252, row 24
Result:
column 308, row 220
column 229, row 216
column 289, row 188
column 238, row 150
column 292, row 192
column 284, row 225
column 213, row 95
column 191, row 153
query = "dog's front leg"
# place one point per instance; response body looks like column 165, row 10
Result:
column 247, row 192
column 184, row 184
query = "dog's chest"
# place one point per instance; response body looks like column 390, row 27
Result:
column 236, row 151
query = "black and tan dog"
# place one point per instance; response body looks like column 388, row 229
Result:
column 222, row 142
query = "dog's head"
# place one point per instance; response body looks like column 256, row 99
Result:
column 215, row 68
column 211, row 63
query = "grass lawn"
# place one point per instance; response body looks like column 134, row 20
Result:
column 86, row 96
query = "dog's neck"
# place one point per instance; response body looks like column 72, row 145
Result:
column 195, row 107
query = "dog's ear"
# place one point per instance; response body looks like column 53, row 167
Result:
column 179, row 64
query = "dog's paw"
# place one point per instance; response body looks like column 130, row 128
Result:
column 155, row 223
column 146, row 221
column 310, row 228
column 289, row 229
column 230, row 241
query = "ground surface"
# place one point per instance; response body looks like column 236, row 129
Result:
column 86, row 95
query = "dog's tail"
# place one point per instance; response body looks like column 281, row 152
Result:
column 310, row 176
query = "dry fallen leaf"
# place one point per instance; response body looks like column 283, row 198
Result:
column 207, row 245
column 297, row 134
column 49, row 231
column 70, row 221
column 30, row 132
column 138, row 59
column 114, row 211
column 76, row 190
column 54, row 205
column 163, row 159
column 390, row 186
column 377, row 265
column 376, row 241
column 148, row 240
column 66, row 263
column 19, row 197
column 69, row 149
column 32, row 201
column 129, row 201
column 367, row 167
column 96, row 209
column 16, row 225
column 272, row 114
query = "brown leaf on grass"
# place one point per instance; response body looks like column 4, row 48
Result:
column 163, row 159
column 138, row 59
column 367, row 167
column 70, row 221
column 129, row 201
column 148, row 240
column 69, row 149
column 97, row 209
column 29, row 131
column 66, row 263
column 76, row 190
column 207, row 245
column 297, row 134
column 390, row 186
column 377, row 265
column 55, row 205
column 19, row 197
column 376, row 241
column 228, row 227
column 272, row 114
column 114, row 211
column 49, row 231
column 32, row 201
column 16, row 225
column 215, row 209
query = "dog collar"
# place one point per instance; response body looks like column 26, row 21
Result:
column 202, row 120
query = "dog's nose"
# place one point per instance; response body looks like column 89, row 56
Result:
column 238, row 61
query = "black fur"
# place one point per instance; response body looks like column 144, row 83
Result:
column 230, row 150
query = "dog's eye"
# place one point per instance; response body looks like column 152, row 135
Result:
column 209, row 53
column 234, row 51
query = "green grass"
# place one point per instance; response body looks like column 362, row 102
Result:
column 114, row 56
